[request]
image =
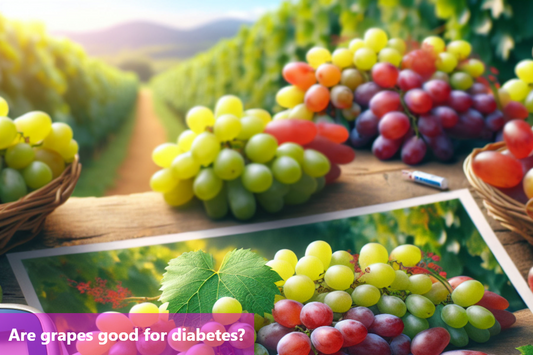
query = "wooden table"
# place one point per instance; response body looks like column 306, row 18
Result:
column 366, row 181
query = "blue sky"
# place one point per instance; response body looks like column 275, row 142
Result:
column 86, row 15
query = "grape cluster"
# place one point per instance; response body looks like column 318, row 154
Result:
column 33, row 152
column 377, row 304
column 232, row 159
column 403, row 101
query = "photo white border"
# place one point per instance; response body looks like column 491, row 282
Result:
column 508, row 266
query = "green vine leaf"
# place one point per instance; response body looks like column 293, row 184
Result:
column 526, row 350
column 192, row 285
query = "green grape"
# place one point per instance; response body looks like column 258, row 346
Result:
column 185, row 140
column 276, row 190
column 241, row 201
column 390, row 55
column 435, row 43
column 440, row 75
column 408, row 255
column 19, row 156
column 461, row 81
column 365, row 58
column 379, row 275
column 199, row 118
column 414, row 325
column 315, row 163
column 372, row 253
column 227, row 127
column 12, row 185
column 458, row 336
column 376, row 39
column 455, row 316
column 163, row 181
column 295, row 197
column 229, row 164
column 149, row 311
column 207, row 184
column 184, row 166
column 398, row 44
column 286, row 170
column 495, row 329
column 474, row 67
column 517, row 89
column 401, row 282
column 476, row 334
column 299, row 288
column 283, row 115
column 182, row 193
column 69, row 152
column 419, row 284
column 523, row 70
column 4, row 110
column 256, row 178
column 164, row 154
column 205, row 148
column 461, row 49
column 338, row 301
column 480, row 317
column 37, row 175
column 355, row 44
column 217, row 207
column 287, row 255
column 342, row 57
column 8, row 132
column 260, row 349
column 227, row 310
column 528, row 102
column 60, row 136
column 468, row 293
column 342, row 257
column 261, row 148
column 301, row 112
column 321, row 250
column 284, row 269
column 52, row 159
column 250, row 126
column 321, row 297
column 270, row 204
column 292, row 150
column 352, row 78
column 366, row 295
column 290, row 96
column 310, row 266
column 446, row 62
column 307, row 185
column 229, row 105
column 317, row 56
column 392, row 305
column 438, row 293
column 420, row 306
column 264, row 115
column 339, row 277
column 34, row 125
column 320, row 184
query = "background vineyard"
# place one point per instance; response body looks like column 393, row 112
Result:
column 249, row 65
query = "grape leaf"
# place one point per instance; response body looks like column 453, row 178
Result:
column 192, row 285
column 526, row 350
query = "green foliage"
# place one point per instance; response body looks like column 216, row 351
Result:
column 192, row 285
column 526, row 350
column 249, row 65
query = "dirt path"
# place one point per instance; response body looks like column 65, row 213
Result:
column 135, row 172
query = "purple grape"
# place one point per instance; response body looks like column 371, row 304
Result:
column 384, row 148
column 401, row 345
column 484, row 103
column 270, row 335
column 470, row 125
column 414, row 150
column 460, row 101
column 372, row 345
column 495, row 121
column 361, row 314
column 387, row 326
column 357, row 140
column 446, row 115
column 441, row 146
column 429, row 125
column 365, row 92
column 367, row 124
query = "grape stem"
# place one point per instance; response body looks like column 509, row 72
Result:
column 413, row 118
column 495, row 93
column 141, row 299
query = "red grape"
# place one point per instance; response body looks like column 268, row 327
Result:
column 336, row 153
column 457, row 280
column 519, row 138
column 439, row 91
column 446, row 115
column 421, row 61
column 352, row 331
column 505, row 318
column 387, row 326
column 495, row 121
column 515, row 110
column 401, row 345
column 334, row 132
column 493, row 300
column 341, row 97
column 270, row 335
column 384, row 148
column 385, row 102
column 328, row 75
column 358, row 140
column 292, row 130
column 430, row 342
column 361, row 314
column 385, row 74
column 418, row 101
column 394, row 125
column 408, row 80
column 294, row 344
column 478, row 88
column 317, row 98
column 413, row 150
column 460, row 101
column 367, row 124
column 365, row 92
column 484, row 103
column 530, row 279
column 327, row 340
column 429, row 125
column 333, row 174
column 470, row 125
column 463, row 352
column 373, row 344
column 441, row 147
column 287, row 313
column 316, row 314
column 516, row 193
column 300, row 74
column 498, row 169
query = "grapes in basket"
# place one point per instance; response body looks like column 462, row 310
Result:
column 234, row 160
column 33, row 152
column 400, row 102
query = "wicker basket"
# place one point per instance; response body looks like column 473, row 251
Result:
column 510, row 213
column 22, row 220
